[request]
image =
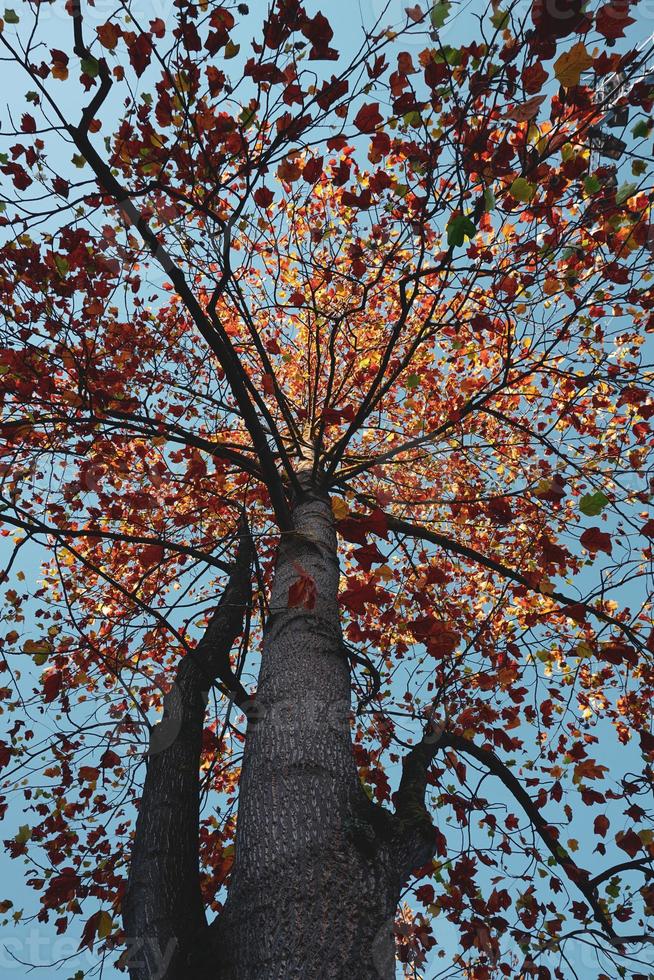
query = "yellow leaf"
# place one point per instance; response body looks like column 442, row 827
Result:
column 339, row 508
column 569, row 66
column 37, row 646
column 105, row 924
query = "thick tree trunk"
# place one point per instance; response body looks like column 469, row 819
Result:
column 318, row 867
column 316, row 878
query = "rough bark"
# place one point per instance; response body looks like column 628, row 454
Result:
column 318, row 867
column 315, row 883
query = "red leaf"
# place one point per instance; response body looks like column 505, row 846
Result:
column 52, row 685
column 312, row 170
column 28, row 123
column 108, row 34
column 367, row 556
column 264, row 197
column 152, row 554
column 90, row 930
column 601, row 825
column 612, row 18
column 594, row 540
column 630, row 842
column 158, row 27
column 368, row 118
column 5, row 755
column 318, row 30
column 140, row 53
column 109, row 759
column 555, row 20
column 357, row 595
column 617, row 652
column 647, row 743
column 61, row 888
column 88, row 774
column 303, row 592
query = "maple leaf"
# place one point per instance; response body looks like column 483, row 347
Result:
column 368, row 118
column 527, row 110
column 557, row 20
column 61, row 888
column 109, row 34
column 629, row 842
column 264, row 197
column 368, row 556
column 140, row 53
column 59, row 64
column 601, row 825
column 593, row 539
column 570, row 65
column 612, row 19
column 303, row 592
column 52, row 683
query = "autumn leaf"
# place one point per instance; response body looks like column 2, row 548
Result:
column 264, row 197
column 569, row 66
column 612, row 19
column 303, row 592
column 594, row 540
column 368, row 118
column 140, row 53
column 601, row 825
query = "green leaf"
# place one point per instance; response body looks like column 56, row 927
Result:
column 231, row 49
column 61, row 264
column 79, row 160
column 625, row 191
column 413, row 119
column 500, row 19
column 23, row 835
column 11, row 17
column 489, row 199
column 90, row 66
column 412, row 381
column 592, row 504
column 592, row 184
column 439, row 13
column 641, row 128
column 460, row 228
column 522, row 190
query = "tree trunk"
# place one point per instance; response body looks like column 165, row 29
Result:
column 316, row 879
column 318, row 867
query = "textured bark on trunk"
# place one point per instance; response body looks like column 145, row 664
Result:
column 316, row 880
column 318, row 867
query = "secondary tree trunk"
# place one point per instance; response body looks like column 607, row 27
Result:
column 316, row 878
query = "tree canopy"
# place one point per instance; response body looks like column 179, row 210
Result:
column 418, row 275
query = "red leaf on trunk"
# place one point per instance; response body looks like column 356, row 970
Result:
column 303, row 593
